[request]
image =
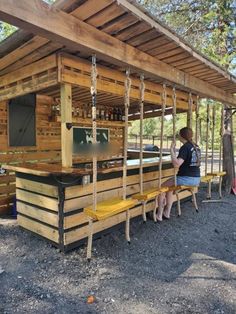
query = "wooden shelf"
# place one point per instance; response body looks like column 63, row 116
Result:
column 88, row 121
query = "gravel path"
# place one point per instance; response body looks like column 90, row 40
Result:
column 186, row 265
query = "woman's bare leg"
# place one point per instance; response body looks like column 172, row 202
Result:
column 164, row 199
column 161, row 204
column 169, row 203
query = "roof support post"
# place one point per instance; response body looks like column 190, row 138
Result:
column 66, row 125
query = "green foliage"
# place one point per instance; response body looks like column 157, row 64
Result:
column 209, row 25
column 6, row 29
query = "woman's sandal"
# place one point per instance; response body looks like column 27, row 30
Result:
column 164, row 217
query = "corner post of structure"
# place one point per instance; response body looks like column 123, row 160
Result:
column 228, row 151
column 66, row 125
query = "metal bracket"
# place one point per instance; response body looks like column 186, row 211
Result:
column 69, row 125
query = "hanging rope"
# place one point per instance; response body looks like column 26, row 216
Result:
column 127, row 104
column 190, row 110
column 213, row 137
column 174, row 126
column 207, row 136
column 197, row 131
column 142, row 91
column 162, row 132
column 221, row 137
column 94, row 128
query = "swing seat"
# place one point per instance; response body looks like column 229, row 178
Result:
column 217, row 174
column 206, row 179
column 109, row 208
column 182, row 187
column 149, row 194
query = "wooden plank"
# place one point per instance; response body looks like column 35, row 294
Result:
column 39, row 18
column 37, row 187
column 112, row 74
column 7, row 179
column 79, row 79
column 132, row 31
column 4, row 200
column 7, row 189
column 38, row 214
column 66, row 117
column 75, row 220
column 38, row 228
column 31, row 45
column 82, row 232
column 106, row 15
column 83, row 201
column 89, row 8
column 29, row 70
column 38, row 54
column 36, row 199
column 72, row 192
column 116, row 26
column 32, row 85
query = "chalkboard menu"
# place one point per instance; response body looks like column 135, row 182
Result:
column 82, row 139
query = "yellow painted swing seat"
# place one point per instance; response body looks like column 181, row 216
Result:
column 109, row 208
column 217, row 174
column 182, row 187
column 149, row 194
column 207, row 178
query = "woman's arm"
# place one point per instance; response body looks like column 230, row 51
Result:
column 177, row 162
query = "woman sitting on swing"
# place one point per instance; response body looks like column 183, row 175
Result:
column 188, row 162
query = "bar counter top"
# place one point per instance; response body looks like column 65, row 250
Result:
column 47, row 169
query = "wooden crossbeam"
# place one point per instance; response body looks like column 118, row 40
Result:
column 61, row 27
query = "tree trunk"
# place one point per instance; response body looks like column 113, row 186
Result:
column 228, row 153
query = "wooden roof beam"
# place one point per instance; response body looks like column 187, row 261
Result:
column 61, row 27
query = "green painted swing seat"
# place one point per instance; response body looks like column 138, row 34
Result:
column 109, row 208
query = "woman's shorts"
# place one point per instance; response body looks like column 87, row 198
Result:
column 192, row 181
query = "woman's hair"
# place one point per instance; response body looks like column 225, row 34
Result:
column 187, row 134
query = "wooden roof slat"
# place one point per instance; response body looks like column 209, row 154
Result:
column 186, row 60
column 33, row 57
column 200, row 71
column 188, row 65
column 89, row 8
column 145, row 36
column 196, row 67
column 68, row 5
column 162, row 48
column 31, row 45
column 177, row 57
column 119, row 24
column 106, row 15
column 212, row 77
column 133, row 31
column 169, row 53
column 153, row 43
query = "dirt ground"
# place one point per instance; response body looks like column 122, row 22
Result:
column 185, row 265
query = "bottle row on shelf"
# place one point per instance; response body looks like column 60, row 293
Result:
column 108, row 114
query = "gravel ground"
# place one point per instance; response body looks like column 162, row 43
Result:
column 185, row 265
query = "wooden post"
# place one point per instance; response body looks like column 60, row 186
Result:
column 66, row 127
column 190, row 111
column 228, row 152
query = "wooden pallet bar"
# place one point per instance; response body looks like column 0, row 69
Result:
column 39, row 202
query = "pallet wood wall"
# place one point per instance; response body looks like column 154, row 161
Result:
column 47, row 149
